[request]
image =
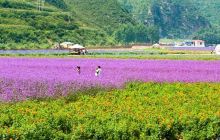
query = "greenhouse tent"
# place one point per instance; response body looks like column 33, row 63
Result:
column 217, row 49
column 76, row 46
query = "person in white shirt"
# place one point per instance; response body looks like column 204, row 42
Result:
column 98, row 71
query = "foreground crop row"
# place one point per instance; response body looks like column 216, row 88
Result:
column 140, row 111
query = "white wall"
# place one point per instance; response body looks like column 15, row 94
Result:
column 199, row 44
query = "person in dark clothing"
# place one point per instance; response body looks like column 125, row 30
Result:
column 78, row 69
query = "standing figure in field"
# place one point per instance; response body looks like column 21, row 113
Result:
column 98, row 71
column 78, row 69
column 84, row 52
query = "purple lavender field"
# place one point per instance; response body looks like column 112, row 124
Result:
column 192, row 48
column 28, row 78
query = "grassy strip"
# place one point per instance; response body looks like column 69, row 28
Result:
column 140, row 111
column 123, row 56
column 160, row 57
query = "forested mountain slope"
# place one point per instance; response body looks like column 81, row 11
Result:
column 100, row 13
column 209, row 9
column 22, row 21
column 175, row 18
column 29, row 24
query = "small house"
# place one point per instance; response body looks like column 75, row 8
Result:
column 199, row 43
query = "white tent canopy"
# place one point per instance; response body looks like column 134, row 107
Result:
column 76, row 46
column 217, row 49
column 67, row 43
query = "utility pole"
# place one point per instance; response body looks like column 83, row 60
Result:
column 40, row 5
column 37, row 4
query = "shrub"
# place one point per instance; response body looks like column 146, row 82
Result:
column 140, row 111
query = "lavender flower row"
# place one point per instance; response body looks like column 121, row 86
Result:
column 192, row 48
column 24, row 78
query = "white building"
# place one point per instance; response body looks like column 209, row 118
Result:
column 199, row 43
column 192, row 43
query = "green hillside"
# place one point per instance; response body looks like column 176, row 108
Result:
column 209, row 9
column 175, row 18
column 100, row 13
column 198, row 19
column 24, row 24
column 140, row 9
